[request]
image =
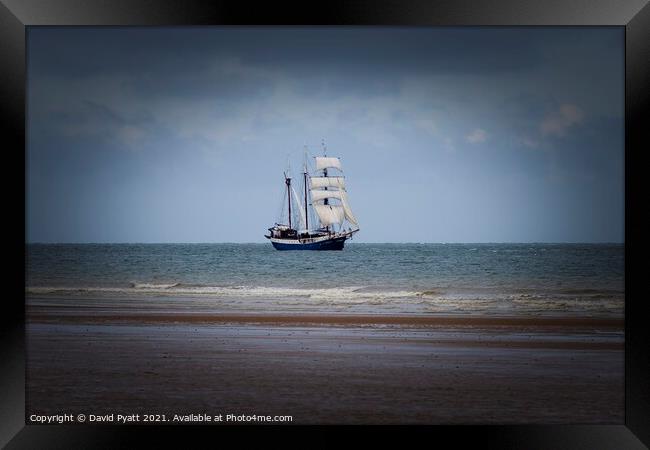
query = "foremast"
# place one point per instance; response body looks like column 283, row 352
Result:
column 325, row 188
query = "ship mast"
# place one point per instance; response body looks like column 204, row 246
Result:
column 326, row 200
column 324, row 188
column 287, row 180
column 306, row 214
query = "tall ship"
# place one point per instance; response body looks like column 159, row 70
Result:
column 320, row 218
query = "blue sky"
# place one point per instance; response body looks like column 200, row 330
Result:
column 445, row 134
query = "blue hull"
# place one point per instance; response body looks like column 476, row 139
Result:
column 332, row 244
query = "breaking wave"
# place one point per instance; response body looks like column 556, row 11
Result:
column 153, row 285
column 428, row 300
column 180, row 289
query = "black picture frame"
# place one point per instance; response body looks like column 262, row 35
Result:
column 16, row 15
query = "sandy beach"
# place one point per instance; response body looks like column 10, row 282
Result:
column 326, row 368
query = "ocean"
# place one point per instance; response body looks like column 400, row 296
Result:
column 486, row 279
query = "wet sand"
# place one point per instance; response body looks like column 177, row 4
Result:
column 322, row 368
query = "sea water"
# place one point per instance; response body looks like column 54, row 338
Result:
column 533, row 279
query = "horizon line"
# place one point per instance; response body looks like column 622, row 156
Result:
column 350, row 243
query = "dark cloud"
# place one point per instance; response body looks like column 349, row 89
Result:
column 79, row 52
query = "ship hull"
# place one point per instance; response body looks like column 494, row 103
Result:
column 327, row 244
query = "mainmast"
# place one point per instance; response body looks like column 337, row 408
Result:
column 287, row 180
column 306, row 214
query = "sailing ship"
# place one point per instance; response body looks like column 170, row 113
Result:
column 328, row 199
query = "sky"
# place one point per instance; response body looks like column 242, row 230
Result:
column 473, row 134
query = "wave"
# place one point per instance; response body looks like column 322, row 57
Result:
column 180, row 289
column 591, row 292
column 362, row 298
column 429, row 293
column 153, row 285
column 347, row 293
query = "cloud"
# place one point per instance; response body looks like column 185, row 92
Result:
column 558, row 122
column 477, row 136
column 89, row 119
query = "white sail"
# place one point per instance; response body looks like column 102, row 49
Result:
column 317, row 195
column 323, row 162
column 321, row 182
column 300, row 207
column 330, row 214
column 347, row 209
